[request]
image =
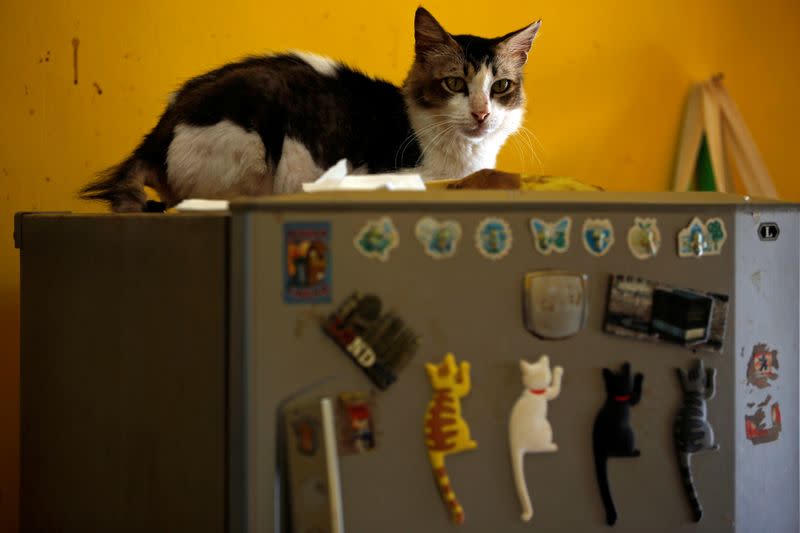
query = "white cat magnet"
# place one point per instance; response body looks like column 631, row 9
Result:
column 528, row 429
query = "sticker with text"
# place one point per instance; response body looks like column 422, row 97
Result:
column 307, row 262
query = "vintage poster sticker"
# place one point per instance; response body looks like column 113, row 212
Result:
column 307, row 262
column 644, row 238
column 493, row 238
column 699, row 239
column 551, row 236
column 438, row 239
column 598, row 236
column 377, row 238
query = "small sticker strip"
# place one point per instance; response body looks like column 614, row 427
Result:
column 551, row 236
column 493, row 238
column 644, row 238
column 307, row 262
column 438, row 239
column 377, row 238
column 699, row 239
column 598, row 236
column 381, row 345
column 763, row 366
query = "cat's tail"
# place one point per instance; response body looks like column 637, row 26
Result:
column 517, row 460
column 684, row 461
column 122, row 186
column 446, row 490
column 601, row 467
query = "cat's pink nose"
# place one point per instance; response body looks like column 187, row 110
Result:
column 480, row 116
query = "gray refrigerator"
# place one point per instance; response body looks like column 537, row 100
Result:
column 371, row 362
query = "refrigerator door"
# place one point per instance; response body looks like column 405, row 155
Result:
column 471, row 300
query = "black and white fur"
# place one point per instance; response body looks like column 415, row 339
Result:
column 265, row 125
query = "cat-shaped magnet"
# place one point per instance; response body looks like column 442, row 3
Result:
column 612, row 435
column 693, row 433
column 446, row 431
column 528, row 428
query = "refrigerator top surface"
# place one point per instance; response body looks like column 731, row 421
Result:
column 510, row 200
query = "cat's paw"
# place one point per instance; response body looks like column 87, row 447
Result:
column 527, row 515
column 715, row 447
column 552, row 447
column 558, row 372
column 611, row 518
column 636, row 453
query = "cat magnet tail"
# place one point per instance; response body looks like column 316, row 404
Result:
column 612, row 435
column 693, row 433
column 529, row 430
column 446, row 432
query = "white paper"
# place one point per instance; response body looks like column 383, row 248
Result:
column 337, row 179
column 197, row 204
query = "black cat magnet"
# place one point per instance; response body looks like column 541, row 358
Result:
column 613, row 435
column 381, row 345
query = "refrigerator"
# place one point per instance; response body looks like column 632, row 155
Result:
column 376, row 362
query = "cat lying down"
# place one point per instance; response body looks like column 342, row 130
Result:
column 268, row 124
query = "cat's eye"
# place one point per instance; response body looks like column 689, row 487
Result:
column 456, row 85
column 501, row 86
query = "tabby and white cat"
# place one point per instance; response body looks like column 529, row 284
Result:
column 529, row 430
column 268, row 124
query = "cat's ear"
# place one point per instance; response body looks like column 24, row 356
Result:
column 544, row 360
column 524, row 366
column 429, row 35
column 516, row 45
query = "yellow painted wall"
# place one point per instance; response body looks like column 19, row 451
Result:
column 606, row 84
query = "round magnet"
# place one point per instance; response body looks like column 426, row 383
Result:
column 644, row 238
column 377, row 238
column 493, row 238
column 597, row 235
column 439, row 239
column 551, row 236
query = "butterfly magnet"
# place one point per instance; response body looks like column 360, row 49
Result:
column 438, row 239
column 551, row 236
column 598, row 236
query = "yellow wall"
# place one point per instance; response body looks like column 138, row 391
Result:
column 606, row 84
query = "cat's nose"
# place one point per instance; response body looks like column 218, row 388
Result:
column 480, row 116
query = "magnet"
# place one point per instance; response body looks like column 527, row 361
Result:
column 648, row 310
column 307, row 262
column 306, row 434
column 757, row 431
column 438, row 239
column 493, row 238
column 446, row 431
column 644, row 238
column 377, row 238
column 381, row 345
column 529, row 430
column 356, row 423
column 551, row 236
column 598, row 236
column 612, row 435
column 763, row 366
column 555, row 303
column 692, row 431
column 699, row 239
